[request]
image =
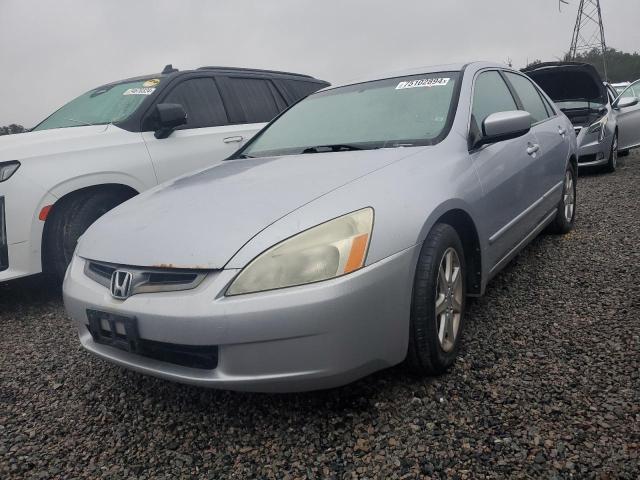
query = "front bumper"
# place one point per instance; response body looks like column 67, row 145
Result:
column 301, row 338
column 22, row 239
column 592, row 152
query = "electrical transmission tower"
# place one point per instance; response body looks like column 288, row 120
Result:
column 589, row 31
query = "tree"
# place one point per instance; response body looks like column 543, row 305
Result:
column 12, row 129
column 621, row 66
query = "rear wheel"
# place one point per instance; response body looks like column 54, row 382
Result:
column 612, row 164
column 69, row 220
column 566, row 214
column 437, row 309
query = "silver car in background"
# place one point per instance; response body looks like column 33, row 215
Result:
column 343, row 239
column 578, row 90
column 627, row 112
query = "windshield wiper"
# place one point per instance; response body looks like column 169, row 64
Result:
column 340, row 147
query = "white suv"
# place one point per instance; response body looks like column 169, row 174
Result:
column 119, row 139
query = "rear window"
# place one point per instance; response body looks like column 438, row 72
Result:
column 257, row 98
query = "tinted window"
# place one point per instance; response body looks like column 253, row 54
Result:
column 257, row 98
column 301, row 89
column 202, row 102
column 491, row 95
column 529, row 96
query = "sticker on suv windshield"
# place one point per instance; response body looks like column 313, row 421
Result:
column 425, row 82
column 153, row 82
column 139, row 91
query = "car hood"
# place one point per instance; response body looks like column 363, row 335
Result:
column 203, row 219
column 23, row 146
column 567, row 81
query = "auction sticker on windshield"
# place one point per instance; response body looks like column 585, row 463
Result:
column 424, row 82
column 139, row 91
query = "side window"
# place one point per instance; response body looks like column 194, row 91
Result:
column 258, row 98
column 301, row 89
column 632, row 90
column 550, row 109
column 490, row 95
column 202, row 102
column 529, row 96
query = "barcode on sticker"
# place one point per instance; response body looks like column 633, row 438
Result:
column 139, row 91
column 424, row 82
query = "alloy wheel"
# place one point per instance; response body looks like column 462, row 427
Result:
column 569, row 198
column 448, row 303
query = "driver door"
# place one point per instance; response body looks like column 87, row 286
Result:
column 206, row 139
column 506, row 170
column 629, row 120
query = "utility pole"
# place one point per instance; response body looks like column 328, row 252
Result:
column 588, row 32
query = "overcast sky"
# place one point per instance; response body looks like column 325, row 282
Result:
column 52, row 51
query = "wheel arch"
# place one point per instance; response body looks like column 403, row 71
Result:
column 458, row 215
column 466, row 229
column 127, row 192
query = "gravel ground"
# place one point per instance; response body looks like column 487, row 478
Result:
column 548, row 385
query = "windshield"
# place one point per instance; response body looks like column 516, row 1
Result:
column 395, row 112
column 103, row 105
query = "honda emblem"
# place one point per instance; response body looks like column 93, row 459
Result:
column 121, row 281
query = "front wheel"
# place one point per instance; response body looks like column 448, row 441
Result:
column 437, row 309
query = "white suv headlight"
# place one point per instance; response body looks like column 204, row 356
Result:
column 326, row 251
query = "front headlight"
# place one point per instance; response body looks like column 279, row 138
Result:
column 7, row 169
column 599, row 127
column 326, row 251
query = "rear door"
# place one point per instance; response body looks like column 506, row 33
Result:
column 553, row 140
column 253, row 102
column 203, row 141
column 629, row 120
column 507, row 172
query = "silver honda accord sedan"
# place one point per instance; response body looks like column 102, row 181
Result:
column 341, row 240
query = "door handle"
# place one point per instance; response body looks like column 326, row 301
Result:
column 562, row 131
column 532, row 149
column 237, row 139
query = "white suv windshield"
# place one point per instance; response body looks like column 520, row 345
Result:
column 103, row 105
column 394, row 112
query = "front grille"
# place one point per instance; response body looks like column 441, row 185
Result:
column 4, row 243
column 147, row 280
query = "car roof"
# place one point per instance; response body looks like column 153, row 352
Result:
column 174, row 73
column 447, row 67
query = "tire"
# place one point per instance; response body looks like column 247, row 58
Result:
column 612, row 164
column 430, row 352
column 68, row 221
column 566, row 214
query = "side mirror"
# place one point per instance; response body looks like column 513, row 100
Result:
column 169, row 116
column 501, row 126
column 625, row 102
